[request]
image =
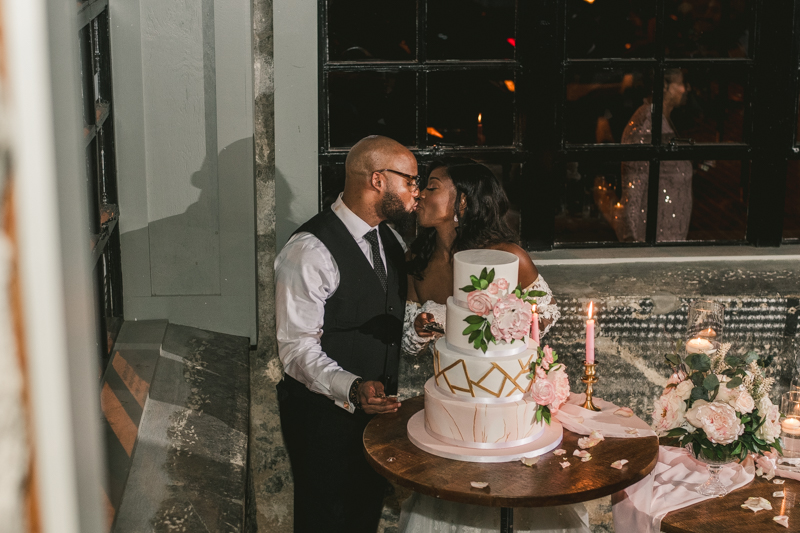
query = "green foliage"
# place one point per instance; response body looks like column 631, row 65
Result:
column 479, row 283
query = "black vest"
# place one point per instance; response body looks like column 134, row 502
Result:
column 363, row 325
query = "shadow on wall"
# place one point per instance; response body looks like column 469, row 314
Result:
column 286, row 222
column 185, row 250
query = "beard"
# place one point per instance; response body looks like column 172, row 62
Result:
column 395, row 212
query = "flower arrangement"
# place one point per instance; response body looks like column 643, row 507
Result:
column 500, row 314
column 550, row 387
column 720, row 404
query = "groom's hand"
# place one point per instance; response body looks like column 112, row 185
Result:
column 373, row 399
column 419, row 324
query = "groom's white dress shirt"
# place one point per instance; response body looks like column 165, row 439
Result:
column 306, row 275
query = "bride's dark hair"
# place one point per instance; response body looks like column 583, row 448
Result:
column 482, row 222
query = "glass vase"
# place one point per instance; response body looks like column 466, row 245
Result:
column 713, row 485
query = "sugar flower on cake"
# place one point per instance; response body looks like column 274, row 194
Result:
column 550, row 387
column 560, row 381
column 512, row 319
column 479, row 302
column 543, row 392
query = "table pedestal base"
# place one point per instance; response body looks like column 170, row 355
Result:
column 418, row 435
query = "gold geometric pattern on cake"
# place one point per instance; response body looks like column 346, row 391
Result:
column 460, row 367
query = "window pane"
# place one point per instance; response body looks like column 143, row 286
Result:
column 705, row 28
column 372, row 103
column 611, row 28
column 471, row 29
column 366, row 30
column 791, row 216
column 455, row 101
column 332, row 176
column 589, row 207
column 719, row 206
column 600, row 102
column 706, row 106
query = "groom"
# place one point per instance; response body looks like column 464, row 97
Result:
column 340, row 291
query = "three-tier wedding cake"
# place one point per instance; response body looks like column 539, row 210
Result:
column 477, row 406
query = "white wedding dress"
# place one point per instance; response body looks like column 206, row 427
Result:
column 423, row 514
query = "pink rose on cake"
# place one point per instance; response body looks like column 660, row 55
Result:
column 492, row 288
column 547, row 360
column 512, row 319
column 717, row 419
column 479, row 302
column 543, row 392
column 560, row 381
column 502, row 283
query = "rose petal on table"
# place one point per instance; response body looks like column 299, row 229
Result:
column 779, row 481
column 593, row 439
column 759, row 471
column 756, row 504
column 529, row 461
column 560, row 451
column 581, row 453
column 625, row 412
column 479, row 484
column 619, row 464
column 782, row 520
column 779, row 494
column 564, row 464
column 587, row 458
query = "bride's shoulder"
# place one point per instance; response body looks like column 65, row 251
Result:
column 527, row 270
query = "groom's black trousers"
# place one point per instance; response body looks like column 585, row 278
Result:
column 335, row 489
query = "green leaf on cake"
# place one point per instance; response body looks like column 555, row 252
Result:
column 470, row 329
column 490, row 276
column 535, row 294
column 487, row 334
column 474, row 319
column 484, row 346
column 468, row 288
column 484, row 284
column 483, row 273
column 546, row 415
column 475, row 281
column 473, row 337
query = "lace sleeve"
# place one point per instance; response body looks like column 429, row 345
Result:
column 544, row 304
column 413, row 343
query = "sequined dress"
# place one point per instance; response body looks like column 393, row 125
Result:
column 674, row 183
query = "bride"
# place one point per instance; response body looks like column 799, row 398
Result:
column 462, row 208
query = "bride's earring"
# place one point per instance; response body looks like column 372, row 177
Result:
column 455, row 218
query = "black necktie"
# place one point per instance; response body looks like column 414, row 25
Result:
column 372, row 238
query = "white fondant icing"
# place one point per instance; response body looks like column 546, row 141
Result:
column 471, row 262
column 479, row 424
column 456, row 325
column 480, row 377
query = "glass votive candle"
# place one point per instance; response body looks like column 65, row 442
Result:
column 790, row 430
column 705, row 320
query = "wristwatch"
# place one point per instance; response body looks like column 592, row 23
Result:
column 354, row 399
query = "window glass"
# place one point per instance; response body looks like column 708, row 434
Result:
column 366, row 30
column 472, row 108
column 471, row 29
column 611, row 28
column 601, row 101
column 719, row 205
column 708, row 28
column 704, row 105
column 372, row 103
column 791, row 216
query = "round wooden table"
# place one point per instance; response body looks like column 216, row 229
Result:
column 511, row 484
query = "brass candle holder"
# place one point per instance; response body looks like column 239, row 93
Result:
column 590, row 378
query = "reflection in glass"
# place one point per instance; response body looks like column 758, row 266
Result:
column 720, row 191
column 371, row 103
column 600, row 102
column 708, row 28
column 471, row 108
column 366, row 30
column 611, row 28
column 707, row 107
column 471, row 29
column 588, row 191
column 791, row 216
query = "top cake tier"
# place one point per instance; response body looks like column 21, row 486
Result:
column 472, row 262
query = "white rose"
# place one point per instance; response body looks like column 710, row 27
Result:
column 771, row 428
column 691, row 414
column 764, row 405
column 743, row 402
column 725, row 394
column 684, row 389
column 668, row 413
column 720, row 422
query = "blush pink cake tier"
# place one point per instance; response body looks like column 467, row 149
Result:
column 476, row 406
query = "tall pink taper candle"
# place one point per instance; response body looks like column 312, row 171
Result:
column 535, row 326
column 590, row 337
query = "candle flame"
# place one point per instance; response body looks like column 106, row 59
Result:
column 533, row 308
column 434, row 132
column 510, row 85
column 708, row 333
column 479, row 118
column 591, row 307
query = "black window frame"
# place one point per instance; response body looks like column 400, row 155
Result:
column 772, row 66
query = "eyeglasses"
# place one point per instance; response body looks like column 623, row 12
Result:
column 411, row 181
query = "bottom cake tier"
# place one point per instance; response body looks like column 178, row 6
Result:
column 483, row 425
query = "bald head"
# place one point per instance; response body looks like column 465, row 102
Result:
column 370, row 154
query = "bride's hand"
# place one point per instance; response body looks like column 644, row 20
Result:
column 419, row 324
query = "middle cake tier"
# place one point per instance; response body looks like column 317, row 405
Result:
column 482, row 378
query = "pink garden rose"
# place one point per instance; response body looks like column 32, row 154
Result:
column 512, row 319
column 479, row 303
column 543, row 392
column 668, row 412
column 743, row 402
column 541, row 373
column 684, row 389
column 718, row 420
column 492, row 288
column 560, row 381
column 502, row 283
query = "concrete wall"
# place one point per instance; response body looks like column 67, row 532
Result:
column 183, row 110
